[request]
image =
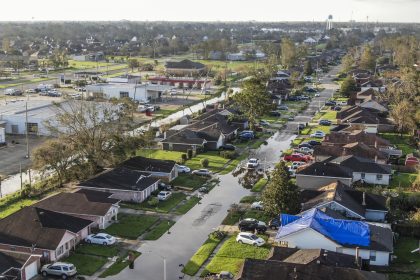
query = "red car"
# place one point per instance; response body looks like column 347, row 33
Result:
column 297, row 157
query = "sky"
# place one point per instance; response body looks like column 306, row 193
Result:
column 211, row 10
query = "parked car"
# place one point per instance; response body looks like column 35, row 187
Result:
column 221, row 275
column 164, row 187
column 202, row 172
column 101, row 238
column 203, row 190
column 283, row 107
column 330, row 103
column 252, row 225
column 311, row 90
column 305, row 144
column 317, row 95
column 296, row 164
column 64, row 270
column 297, row 157
column 325, row 122
column 305, row 150
column 164, row 195
column 336, row 108
column 293, row 98
column 13, row 92
column 275, row 114
column 228, row 147
column 183, row 169
column 249, row 238
column 292, row 172
column 264, row 123
column 274, row 223
column 301, row 126
column 253, row 163
column 291, row 118
column 247, row 134
column 318, row 134
column 258, row 205
column 314, row 142
column 30, row 90
column 342, row 103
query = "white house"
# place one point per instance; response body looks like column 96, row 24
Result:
column 316, row 230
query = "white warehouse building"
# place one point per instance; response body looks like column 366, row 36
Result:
column 140, row 92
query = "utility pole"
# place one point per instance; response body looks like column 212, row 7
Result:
column 27, row 136
column 1, row 194
column 20, row 171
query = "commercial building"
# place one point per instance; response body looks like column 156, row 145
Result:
column 140, row 92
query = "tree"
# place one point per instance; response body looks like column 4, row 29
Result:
column 288, row 52
column 348, row 86
column 280, row 195
column 367, row 59
column 253, row 100
column 133, row 63
column 308, row 70
column 403, row 115
column 54, row 154
column 347, row 62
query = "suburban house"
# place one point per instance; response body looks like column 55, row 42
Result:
column 184, row 67
column 369, row 118
column 374, row 105
column 19, row 266
column 34, row 230
column 314, row 230
column 340, row 201
column 349, row 135
column 183, row 141
column 162, row 169
column 327, row 150
column 279, row 88
column 79, row 205
column 123, row 184
column 346, row 169
column 363, row 96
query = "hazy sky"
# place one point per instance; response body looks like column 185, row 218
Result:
column 211, row 10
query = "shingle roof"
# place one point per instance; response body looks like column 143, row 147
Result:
column 35, row 226
column 74, row 203
column 275, row 270
column 121, row 178
column 359, row 164
column 327, row 169
column 184, row 64
column 356, row 148
column 369, row 139
column 7, row 262
column 149, row 164
column 98, row 196
column 185, row 137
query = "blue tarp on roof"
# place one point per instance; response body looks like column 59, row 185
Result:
column 344, row 232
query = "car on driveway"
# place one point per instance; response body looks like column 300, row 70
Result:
column 275, row 114
column 61, row 269
column 274, row 223
column 183, row 169
column 291, row 118
column 253, row 163
column 305, row 144
column 227, row 147
column 296, row 164
column 305, row 150
column 317, row 95
column 100, row 238
column 301, row 126
column 297, row 157
column 221, row 275
column 203, row 190
column 264, row 123
column 249, row 238
column 313, row 142
column 336, row 108
column 283, row 107
column 246, row 134
column 325, row 122
column 202, row 172
column 164, row 195
column 330, row 103
column 250, row 224
column 258, row 205
column 318, row 134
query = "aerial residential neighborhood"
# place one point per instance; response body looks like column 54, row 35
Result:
column 273, row 142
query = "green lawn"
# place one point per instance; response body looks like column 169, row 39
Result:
column 119, row 265
column 257, row 214
column 87, row 64
column 326, row 115
column 163, row 206
column 249, row 199
column 97, row 250
column 402, row 143
column 404, row 180
column 258, row 187
column 232, row 164
column 160, row 154
column 405, row 261
column 162, row 227
column 202, row 254
column 131, row 226
column 189, row 181
column 7, row 209
column 216, row 162
column 190, row 203
column 232, row 254
column 86, row 264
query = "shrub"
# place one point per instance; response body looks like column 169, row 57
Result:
column 229, row 154
column 204, row 162
column 153, row 202
column 189, row 153
column 184, row 157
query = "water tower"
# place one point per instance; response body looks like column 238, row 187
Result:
column 329, row 22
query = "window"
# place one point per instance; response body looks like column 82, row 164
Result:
column 284, row 244
column 32, row 128
column 363, row 175
column 67, row 246
column 123, row 94
column 378, row 177
column 372, row 255
column 171, row 146
column 60, row 251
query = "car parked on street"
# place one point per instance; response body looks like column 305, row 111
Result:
column 183, row 169
column 101, row 238
column 253, row 163
column 297, row 157
column 318, row 134
column 202, row 172
column 250, row 224
column 258, row 205
column 164, row 195
column 61, row 269
column 249, row 238
column 325, row 122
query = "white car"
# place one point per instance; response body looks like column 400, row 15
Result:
column 258, row 205
column 183, row 169
column 249, row 238
column 253, row 163
column 31, row 90
column 317, row 95
column 100, row 238
column 318, row 134
column 164, row 195
column 202, row 172
column 296, row 164
column 305, row 150
column 64, row 270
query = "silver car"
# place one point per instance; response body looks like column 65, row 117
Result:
column 64, row 270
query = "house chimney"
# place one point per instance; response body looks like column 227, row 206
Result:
column 364, row 199
column 357, row 257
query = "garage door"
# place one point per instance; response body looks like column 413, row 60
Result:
column 31, row 271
